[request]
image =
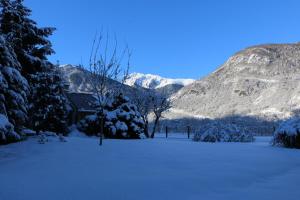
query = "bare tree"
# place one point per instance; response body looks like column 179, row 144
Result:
column 160, row 105
column 106, row 65
column 144, row 102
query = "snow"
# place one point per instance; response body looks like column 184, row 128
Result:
column 112, row 115
column 14, row 76
column 3, row 122
column 179, row 113
column 7, row 130
column 274, row 111
column 28, row 132
column 159, row 169
column 76, row 133
column 223, row 132
column 121, row 126
column 151, row 81
column 91, row 117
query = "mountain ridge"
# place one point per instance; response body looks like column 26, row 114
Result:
column 151, row 81
column 77, row 79
column 261, row 81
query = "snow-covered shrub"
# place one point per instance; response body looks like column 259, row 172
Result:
column 89, row 125
column 7, row 133
column 121, row 120
column 288, row 134
column 28, row 132
column 220, row 131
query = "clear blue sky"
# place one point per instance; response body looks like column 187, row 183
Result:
column 186, row 38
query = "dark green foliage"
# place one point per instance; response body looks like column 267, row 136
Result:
column 28, row 41
column 49, row 108
column 28, row 50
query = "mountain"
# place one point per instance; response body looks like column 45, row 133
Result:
column 257, row 87
column 260, row 82
column 151, row 81
column 169, row 90
column 78, row 80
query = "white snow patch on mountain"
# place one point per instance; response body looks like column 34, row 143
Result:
column 151, row 81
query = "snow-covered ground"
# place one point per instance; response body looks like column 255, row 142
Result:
column 174, row 168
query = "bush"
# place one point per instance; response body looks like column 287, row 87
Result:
column 90, row 125
column 121, row 120
column 223, row 132
column 288, row 134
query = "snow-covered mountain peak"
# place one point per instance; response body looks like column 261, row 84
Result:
column 151, row 81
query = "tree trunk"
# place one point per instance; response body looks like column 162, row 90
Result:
column 154, row 127
column 146, row 129
column 101, row 130
column 101, row 127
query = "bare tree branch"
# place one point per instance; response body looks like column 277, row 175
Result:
column 104, row 68
column 160, row 105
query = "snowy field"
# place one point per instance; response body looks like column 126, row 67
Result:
column 174, row 168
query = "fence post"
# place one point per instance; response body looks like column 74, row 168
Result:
column 101, row 131
column 188, row 131
column 166, row 132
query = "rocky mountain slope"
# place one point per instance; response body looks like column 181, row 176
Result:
column 151, row 81
column 260, row 82
column 78, row 80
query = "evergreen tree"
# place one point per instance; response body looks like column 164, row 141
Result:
column 123, row 120
column 49, row 106
column 31, row 46
column 30, row 43
column 13, row 94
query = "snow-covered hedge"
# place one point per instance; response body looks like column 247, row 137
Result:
column 223, row 132
column 7, row 133
column 288, row 133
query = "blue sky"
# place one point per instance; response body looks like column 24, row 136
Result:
column 172, row 38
